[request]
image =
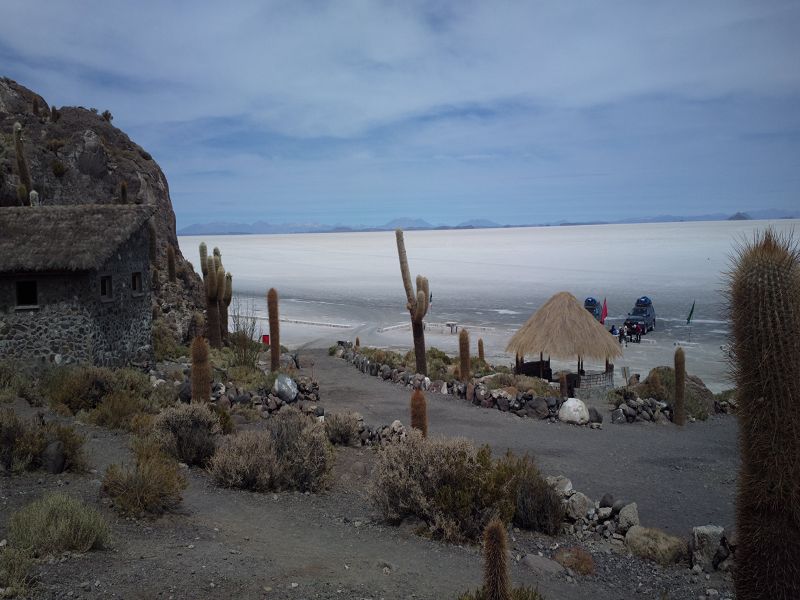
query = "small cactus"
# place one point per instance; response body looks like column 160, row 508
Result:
column 204, row 259
column 679, row 416
column 155, row 283
column 171, row 263
column 33, row 198
column 212, row 306
column 358, row 342
column 123, row 192
column 201, row 371
column 54, row 114
column 35, row 106
column 562, row 384
column 419, row 412
column 463, row 354
column 274, row 330
column 496, row 584
column 764, row 300
column 481, row 355
column 22, row 164
column 221, row 303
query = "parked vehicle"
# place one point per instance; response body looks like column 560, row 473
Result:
column 643, row 313
column 593, row 306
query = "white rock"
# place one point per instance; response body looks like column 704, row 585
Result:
column 561, row 484
column 704, row 544
column 573, row 411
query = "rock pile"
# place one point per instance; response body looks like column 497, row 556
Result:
column 636, row 409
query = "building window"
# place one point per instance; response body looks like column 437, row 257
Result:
column 136, row 282
column 27, row 294
column 106, row 292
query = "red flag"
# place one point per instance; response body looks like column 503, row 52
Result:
column 604, row 312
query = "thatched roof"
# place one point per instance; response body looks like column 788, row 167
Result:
column 562, row 328
column 65, row 238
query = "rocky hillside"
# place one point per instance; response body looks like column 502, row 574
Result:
column 75, row 155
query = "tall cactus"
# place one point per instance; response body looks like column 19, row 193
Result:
column 419, row 412
column 22, row 164
column 204, row 259
column 679, row 416
column 765, row 314
column 274, row 330
column 417, row 304
column 201, row 371
column 225, row 302
column 171, row 263
column 496, row 585
column 481, row 355
column 212, row 306
column 223, row 322
column 562, row 385
column 463, row 355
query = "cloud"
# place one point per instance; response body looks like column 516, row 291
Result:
column 431, row 105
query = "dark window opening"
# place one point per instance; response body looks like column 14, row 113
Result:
column 27, row 293
column 105, row 287
column 136, row 283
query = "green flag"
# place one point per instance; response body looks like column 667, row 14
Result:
column 691, row 313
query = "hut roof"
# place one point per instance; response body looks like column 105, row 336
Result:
column 564, row 329
column 65, row 238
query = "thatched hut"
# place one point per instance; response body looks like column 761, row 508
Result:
column 75, row 284
column 562, row 328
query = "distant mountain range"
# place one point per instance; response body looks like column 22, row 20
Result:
column 262, row 227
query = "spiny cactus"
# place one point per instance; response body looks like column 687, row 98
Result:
column 419, row 412
column 463, row 354
column 481, row 355
column 171, row 263
column 217, row 253
column 496, row 584
column 227, row 297
column 22, row 164
column 417, row 304
column 679, row 416
column 155, row 283
column 358, row 342
column 221, row 302
column 204, row 259
column 22, row 194
column 274, row 330
column 562, row 384
column 153, row 242
column 123, row 192
column 201, row 371
column 212, row 306
column 764, row 299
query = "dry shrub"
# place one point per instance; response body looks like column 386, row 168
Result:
column 15, row 577
column 342, row 429
column 537, row 506
column 577, row 559
column 447, row 482
column 535, row 385
column 225, row 422
column 22, row 444
column 188, row 432
column 152, row 487
column 141, row 423
column 57, row 523
column 656, row 545
column 84, row 387
column 116, row 410
column 292, row 453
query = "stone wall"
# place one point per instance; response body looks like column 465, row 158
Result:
column 73, row 323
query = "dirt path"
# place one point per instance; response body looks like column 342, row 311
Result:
column 679, row 478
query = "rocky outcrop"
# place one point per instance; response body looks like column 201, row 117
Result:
column 76, row 156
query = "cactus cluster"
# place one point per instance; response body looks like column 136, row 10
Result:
column 764, row 298
column 219, row 293
column 274, row 330
column 417, row 304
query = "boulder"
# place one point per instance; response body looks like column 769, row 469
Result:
column 607, row 500
column 704, row 544
column 537, row 407
column 285, row 388
column 655, row 545
column 560, row 484
column 618, row 416
column 578, row 505
column 628, row 517
column 541, row 565
column 594, row 415
column 53, row 459
column 573, row 411
column 185, row 392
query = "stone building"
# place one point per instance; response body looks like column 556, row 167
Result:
column 75, row 284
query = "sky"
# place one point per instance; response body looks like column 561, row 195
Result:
column 358, row 112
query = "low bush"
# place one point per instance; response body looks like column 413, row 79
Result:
column 116, row 410
column 656, row 545
column 84, row 387
column 292, row 453
column 537, row 506
column 15, row 384
column 166, row 346
column 153, row 486
column 577, row 559
column 225, row 422
column 342, row 429
column 23, row 444
column 188, row 432
column 15, row 567
column 57, row 523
